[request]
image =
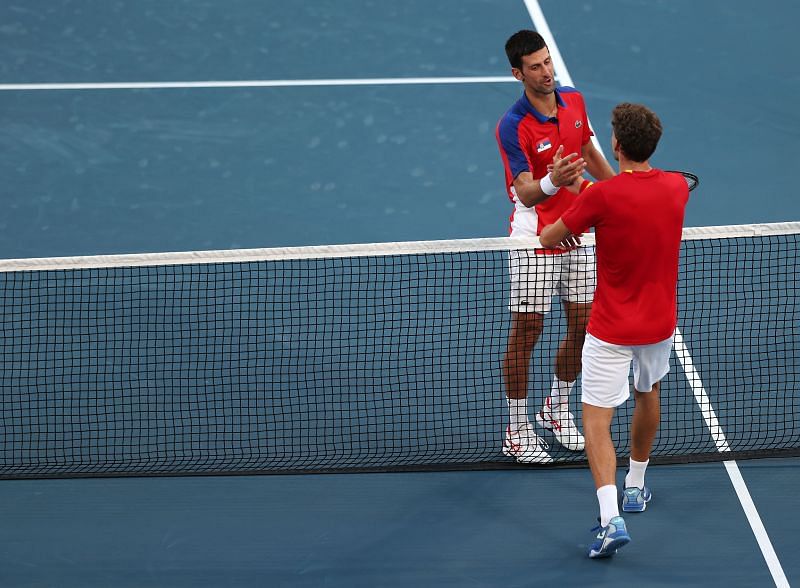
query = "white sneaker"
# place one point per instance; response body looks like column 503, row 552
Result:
column 526, row 446
column 562, row 423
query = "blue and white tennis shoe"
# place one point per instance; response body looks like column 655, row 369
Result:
column 609, row 538
column 635, row 499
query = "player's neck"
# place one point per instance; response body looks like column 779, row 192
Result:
column 544, row 103
column 626, row 165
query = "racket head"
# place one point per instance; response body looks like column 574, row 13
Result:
column 691, row 180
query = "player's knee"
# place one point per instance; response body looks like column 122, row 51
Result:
column 577, row 337
column 650, row 395
column 528, row 324
column 521, row 340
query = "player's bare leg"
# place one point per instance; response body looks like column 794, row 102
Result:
column 600, row 449
column 521, row 441
column 526, row 328
column 568, row 358
column 612, row 532
column 555, row 414
column 602, row 458
column 644, row 426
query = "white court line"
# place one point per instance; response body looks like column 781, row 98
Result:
column 685, row 358
column 749, row 507
column 540, row 22
column 562, row 73
column 700, row 395
column 759, row 531
column 256, row 83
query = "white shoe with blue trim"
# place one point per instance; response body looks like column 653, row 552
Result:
column 635, row 499
column 609, row 538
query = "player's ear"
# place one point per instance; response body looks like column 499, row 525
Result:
column 516, row 73
column 614, row 144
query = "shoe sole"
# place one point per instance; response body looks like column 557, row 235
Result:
column 634, row 507
column 546, row 425
column 508, row 453
column 611, row 548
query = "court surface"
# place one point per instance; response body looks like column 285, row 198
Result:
column 110, row 168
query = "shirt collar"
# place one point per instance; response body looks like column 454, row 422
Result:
column 528, row 107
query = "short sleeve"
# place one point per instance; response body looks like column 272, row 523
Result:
column 587, row 130
column 586, row 211
column 510, row 147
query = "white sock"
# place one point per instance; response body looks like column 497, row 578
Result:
column 559, row 394
column 518, row 411
column 607, row 497
column 635, row 477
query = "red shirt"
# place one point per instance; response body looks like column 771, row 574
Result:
column 527, row 140
column 638, row 218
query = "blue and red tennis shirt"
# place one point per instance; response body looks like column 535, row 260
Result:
column 527, row 140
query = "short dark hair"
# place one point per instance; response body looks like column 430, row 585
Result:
column 637, row 129
column 523, row 43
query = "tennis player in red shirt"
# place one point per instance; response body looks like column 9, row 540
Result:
column 638, row 219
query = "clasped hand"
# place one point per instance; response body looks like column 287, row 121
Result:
column 566, row 170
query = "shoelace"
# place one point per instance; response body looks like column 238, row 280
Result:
column 542, row 443
column 599, row 527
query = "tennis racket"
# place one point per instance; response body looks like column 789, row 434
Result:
column 692, row 180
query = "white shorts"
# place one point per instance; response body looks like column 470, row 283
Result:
column 535, row 279
column 606, row 367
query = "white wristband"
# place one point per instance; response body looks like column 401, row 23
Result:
column 547, row 186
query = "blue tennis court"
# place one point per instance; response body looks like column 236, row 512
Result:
column 140, row 127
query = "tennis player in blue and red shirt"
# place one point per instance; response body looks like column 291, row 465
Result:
column 544, row 122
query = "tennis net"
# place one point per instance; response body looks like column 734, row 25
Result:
column 364, row 357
